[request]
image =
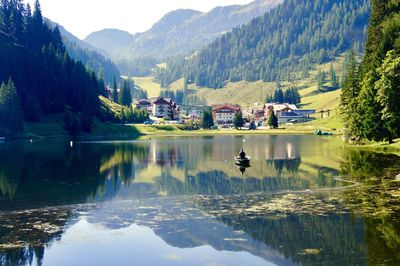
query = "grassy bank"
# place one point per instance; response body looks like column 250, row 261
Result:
column 46, row 129
column 171, row 130
column 379, row 146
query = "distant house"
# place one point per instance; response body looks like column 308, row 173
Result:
column 110, row 92
column 194, row 111
column 259, row 115
column 144, row 104
column 164, row 107
column 288, row 113
column 281, row 107
column 224, row 113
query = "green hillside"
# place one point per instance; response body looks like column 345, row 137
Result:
column 247, row 94
column 291, row 38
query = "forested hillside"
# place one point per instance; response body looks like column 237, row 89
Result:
column 89, row 55
column 179, row 32
column 41, row 77
column 283, row 43
column 371, row 92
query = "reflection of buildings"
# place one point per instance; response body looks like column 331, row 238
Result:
column 281, row 149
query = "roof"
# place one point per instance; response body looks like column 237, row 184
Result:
column 233, row 107
column 305, row 112
column 161, row 101
column 281, row 106
column 290, row 114
column 143, row 101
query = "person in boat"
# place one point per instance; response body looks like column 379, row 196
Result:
column 242, row 154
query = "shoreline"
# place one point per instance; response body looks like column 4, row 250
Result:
column 115, row 132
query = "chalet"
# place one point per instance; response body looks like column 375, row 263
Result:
column 144, row 104
column 164, row 107
column 259, row 115
column 288, row 113
column 224, row 113
column 194, row 111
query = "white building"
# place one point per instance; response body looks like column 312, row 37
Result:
column 224, row 113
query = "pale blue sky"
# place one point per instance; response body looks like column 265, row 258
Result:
column 82, row 17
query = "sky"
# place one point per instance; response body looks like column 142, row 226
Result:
column 82, row 17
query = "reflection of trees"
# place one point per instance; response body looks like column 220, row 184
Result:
column 218, row 183
column 338, row 238
column 36, row 175
column 363, row 165
column 10, row 161
column 290, row 165
column 25, row 235
column 378, row 200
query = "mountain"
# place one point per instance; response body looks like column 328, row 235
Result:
column 41, row 77
column 280, row 45
column 178, row 32
column 110, row 40
column 89, row 55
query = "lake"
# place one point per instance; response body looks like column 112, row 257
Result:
column 305, row 200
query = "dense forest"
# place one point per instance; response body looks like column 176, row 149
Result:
column 93, row 61
column 371, row 91
column 280, row 45
column 93, row 58
column 36, row 70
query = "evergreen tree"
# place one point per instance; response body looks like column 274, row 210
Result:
column 10, row 110
column 238, row 121
column 333, row 77
column 321, row 77
column 45, row 77
column 269, row 99
column 207, row 120
column 348, row 100
column 274, row 47
column 115, row 91
column 273, row 120
column 388, row 88
column 372, row 114
column 126, row 96
column 279, row 96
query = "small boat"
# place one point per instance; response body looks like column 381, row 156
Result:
column 319, row 132
column 242, row 161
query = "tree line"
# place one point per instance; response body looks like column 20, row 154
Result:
column 291, row 96
column 371, row 90
column 281, row 45
column 45, row 78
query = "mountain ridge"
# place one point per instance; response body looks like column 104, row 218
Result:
column 178, row 32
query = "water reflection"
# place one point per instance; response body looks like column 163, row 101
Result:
column 35, row 175
column 186, row 197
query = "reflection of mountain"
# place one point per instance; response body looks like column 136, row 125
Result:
column 335, row 238
column 24, row 236
column 181, row 225
column 36, row 175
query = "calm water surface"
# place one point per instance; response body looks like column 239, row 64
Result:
column 305, row 200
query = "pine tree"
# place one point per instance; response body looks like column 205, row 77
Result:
column 333, row 77
column 207, row 120
column 273, row 120
column 321, row 77
column 115, row 91
column 238, row 121
column 10, row 110
column 126, row 96
column 348, row 99
column 388, row 88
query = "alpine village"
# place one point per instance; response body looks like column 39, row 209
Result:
column 215, row 132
